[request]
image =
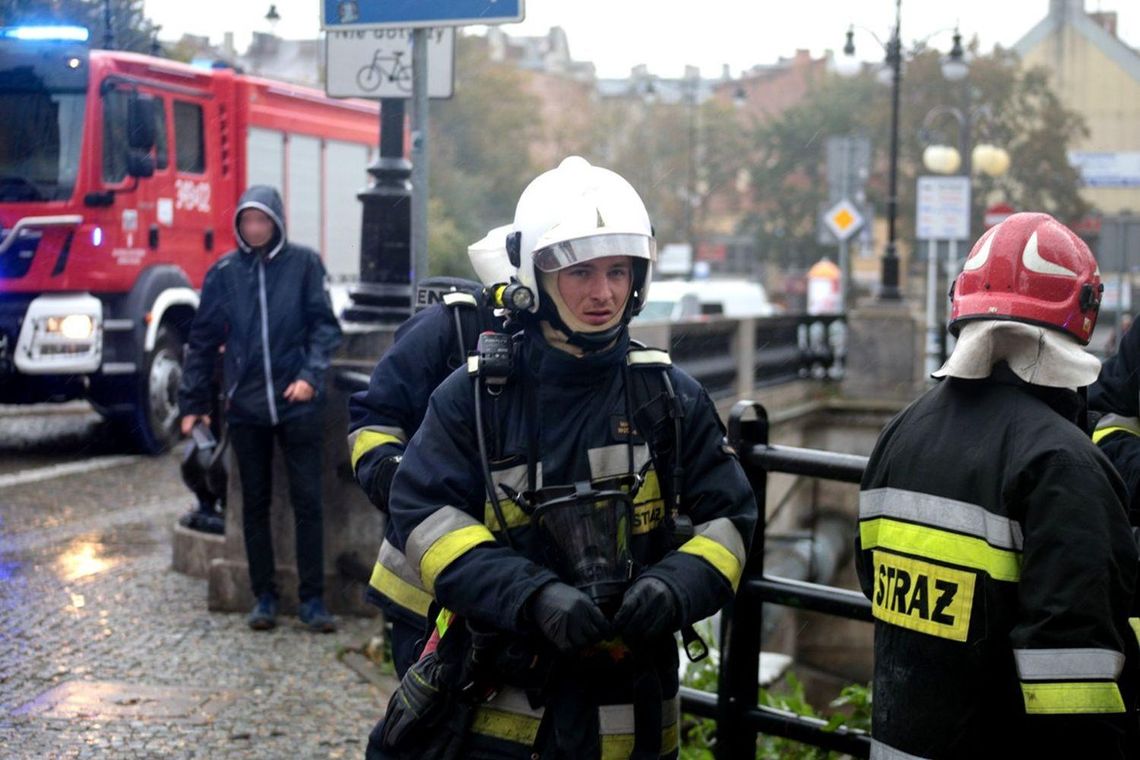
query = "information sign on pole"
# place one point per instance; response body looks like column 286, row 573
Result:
column 943, row 208
column 360, row 14
column 377, row 63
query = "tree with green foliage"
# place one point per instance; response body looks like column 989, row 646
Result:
column 480, row 157
column 130, row 28
column 1014, row 108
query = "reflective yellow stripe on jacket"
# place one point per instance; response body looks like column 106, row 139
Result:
column 509, row 717
column 718, row 543
column 363, row 440
column 1115, row 423
column 395, row 578
column 1070, row 681
column 941, row 530
column 445, row 536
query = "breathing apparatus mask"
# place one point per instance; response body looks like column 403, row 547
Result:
column 584, row 536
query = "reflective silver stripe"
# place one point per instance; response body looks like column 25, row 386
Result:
column 265, row 340
column 880, row 751
column 1131, row 424
column 649, row 356
column 611, row 461
column 515, row 477
column 437, row 525
column 391, row 558
column 722, row 531
column 612, row 719
column 938, row 512
column 459, row 299
column 1068, row 664
column 395, row 432
column 514, row 701
column 618, row 719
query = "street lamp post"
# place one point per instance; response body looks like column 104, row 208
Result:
column 942, row 159
column 889, row 290
column 953, row 68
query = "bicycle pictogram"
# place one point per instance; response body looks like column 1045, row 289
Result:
column 385, row 68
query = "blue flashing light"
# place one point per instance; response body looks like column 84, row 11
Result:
column 46, row 33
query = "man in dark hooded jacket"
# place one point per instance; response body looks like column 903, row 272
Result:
column 266, row 303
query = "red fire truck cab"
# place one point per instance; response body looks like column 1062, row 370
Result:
column 119, row 175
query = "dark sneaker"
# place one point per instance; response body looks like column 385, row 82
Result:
column 264, row 615
column 315, row 617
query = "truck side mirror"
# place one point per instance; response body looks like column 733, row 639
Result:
column 139, row 163
column 142, row 124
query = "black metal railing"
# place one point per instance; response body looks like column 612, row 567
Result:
column 734, row 706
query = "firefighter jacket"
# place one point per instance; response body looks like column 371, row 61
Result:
column 1114, row 400
column 580, row 429
column 271, row 311
column 424, row 351
column 994, row 548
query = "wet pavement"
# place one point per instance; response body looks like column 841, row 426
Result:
column 106, row 652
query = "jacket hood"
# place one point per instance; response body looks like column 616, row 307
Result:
column 267, row 199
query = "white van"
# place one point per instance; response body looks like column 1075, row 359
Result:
column 682, row 300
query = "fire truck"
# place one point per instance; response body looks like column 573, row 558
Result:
column 119, row 176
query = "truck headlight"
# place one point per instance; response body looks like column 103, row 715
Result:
column 72, row 326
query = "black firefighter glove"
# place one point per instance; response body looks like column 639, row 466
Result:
column 567, row 617
column 649, row 610
column 382, row 482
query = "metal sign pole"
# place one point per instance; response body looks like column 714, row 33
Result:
column 844, row 264
column 951, row 274
column 419, row 155
column 933, row 323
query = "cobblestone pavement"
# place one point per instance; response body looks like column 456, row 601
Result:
column 106, row 652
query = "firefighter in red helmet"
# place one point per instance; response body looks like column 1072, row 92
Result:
column 993, row 541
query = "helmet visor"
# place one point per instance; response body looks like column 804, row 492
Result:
column 568, row 252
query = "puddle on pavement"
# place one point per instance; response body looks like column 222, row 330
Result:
column 96, row 553
column 113, row 700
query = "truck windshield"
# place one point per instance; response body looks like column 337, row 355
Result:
column 40, row 137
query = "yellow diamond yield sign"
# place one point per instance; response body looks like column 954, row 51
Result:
column 843, row 219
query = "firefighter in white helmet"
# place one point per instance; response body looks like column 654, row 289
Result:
column 993, row 542
column 569, row 502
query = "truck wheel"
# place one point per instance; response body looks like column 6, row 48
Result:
column 152, row 424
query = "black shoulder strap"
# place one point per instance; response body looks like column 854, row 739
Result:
column 657, row 414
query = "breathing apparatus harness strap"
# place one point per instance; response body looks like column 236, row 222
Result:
column 491, row 366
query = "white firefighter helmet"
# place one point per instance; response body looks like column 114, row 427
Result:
column 579, row 212
column 489, row 257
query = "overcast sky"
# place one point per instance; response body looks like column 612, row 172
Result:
column 619, row 34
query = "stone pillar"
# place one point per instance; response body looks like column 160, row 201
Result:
column 884, row 352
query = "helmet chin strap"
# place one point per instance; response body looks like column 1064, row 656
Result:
column 553, row 309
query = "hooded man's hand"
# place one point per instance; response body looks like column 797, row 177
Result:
column 299, row 392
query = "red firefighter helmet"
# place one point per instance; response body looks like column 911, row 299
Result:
column 1033, row 269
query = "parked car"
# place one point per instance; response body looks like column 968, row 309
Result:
column 683, row 300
